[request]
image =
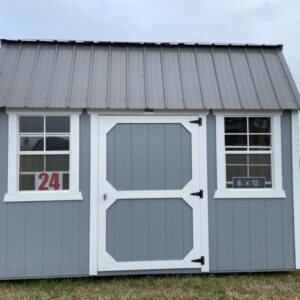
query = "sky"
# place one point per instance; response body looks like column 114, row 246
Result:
column 227, row 21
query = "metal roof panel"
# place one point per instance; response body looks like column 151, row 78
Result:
column 125, row 75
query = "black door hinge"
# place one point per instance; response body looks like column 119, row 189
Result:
column 199, row 194
column 199, row 121
column 200, row 260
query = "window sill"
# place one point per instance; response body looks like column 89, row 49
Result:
column 249, row 193
column 42, row 196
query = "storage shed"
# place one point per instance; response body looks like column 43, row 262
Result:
column 144, row 158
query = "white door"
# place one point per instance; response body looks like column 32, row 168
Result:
column 148, row 168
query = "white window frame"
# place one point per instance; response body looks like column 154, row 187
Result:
column 276, row 191
column 13, row 194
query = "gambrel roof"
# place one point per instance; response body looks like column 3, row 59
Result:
column 73, row 74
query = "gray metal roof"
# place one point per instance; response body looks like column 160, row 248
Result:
column 73, row 74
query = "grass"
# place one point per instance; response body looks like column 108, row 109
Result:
column 231, row 286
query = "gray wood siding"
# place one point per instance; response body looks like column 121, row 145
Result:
column 45, row 238
column 149, row 229
column 52, row 238
column 251, row 234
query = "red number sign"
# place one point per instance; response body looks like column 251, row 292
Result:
column 48, row 181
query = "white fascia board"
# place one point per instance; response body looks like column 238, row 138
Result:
column 155, row 112
column 44, row 111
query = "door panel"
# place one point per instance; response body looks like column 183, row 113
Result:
column 148, row 157
column 149, row 229
column 147, row 217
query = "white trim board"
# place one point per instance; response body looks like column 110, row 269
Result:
column 296, row 183
column 94, row 194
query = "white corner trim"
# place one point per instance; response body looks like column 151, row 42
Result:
column 249, row 193
column 296, row 184
column 42, row 196
column 277, row 190
column 93, row 258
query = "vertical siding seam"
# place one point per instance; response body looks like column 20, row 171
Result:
column 115, row 168
column 6, row 234
column 166, row 226
column 165, row 156
column 114, row 232
column 250, row 232
column 165, row 165
column 90, row 79
column 43, row 239
column 148, row 203
column 109, row 62
column 25, row 233
column 32, row 75
column 71, row 77
column 12, row 76
column 252, row 78
column 147, row 104
column 181, row 156
column 216, row 75
column 127, row 79
column 198, row 75
column 183, row 95
column 267, row 235
column 53, row 67
column 269, row 75
column 288, row 77
column 234, row 78
column 149, row 237
column 148, row 158
column 61, row 237
column 233, row 237
column 283, row 235
column 131, row 230
column 79, row 235
column 131, row 156
column 183, row 225
column 163, row 76
column 217, row 231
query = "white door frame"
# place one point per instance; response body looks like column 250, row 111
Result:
column 96, row 202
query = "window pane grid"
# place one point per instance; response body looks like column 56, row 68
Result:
column 249, row 152
column 44, row 152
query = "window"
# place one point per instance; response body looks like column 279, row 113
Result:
column 44, row 152
column 248, row 156
column 248, row 151
column 43, row 157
